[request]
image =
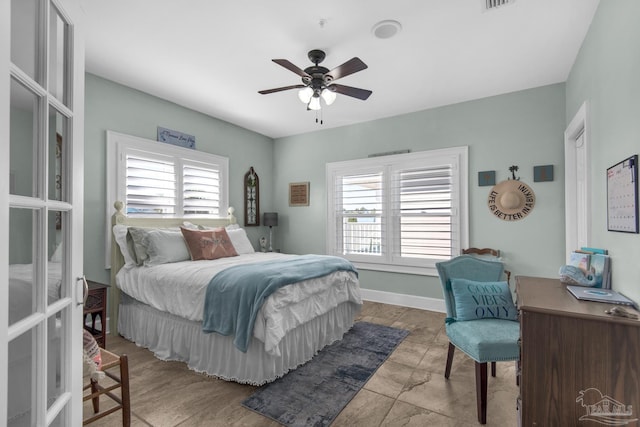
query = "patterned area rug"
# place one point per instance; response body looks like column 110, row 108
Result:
column 315, row 393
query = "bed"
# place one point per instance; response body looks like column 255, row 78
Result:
column 161, row 305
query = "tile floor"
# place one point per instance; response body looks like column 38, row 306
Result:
column 409, row 389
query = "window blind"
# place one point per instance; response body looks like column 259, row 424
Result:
column 201, row 190
column 359, row 201
column 150, row 186
column 424, row 212
column 400, row 212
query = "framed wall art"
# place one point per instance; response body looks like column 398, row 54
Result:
column 486, row 178
column 622, row 196
column 299, row 194
column 252, row 198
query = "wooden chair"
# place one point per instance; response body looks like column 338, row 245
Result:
column 487, row 251
column 484, row 340
column 111, row 360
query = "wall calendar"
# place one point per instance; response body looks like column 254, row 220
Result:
column 622, row 196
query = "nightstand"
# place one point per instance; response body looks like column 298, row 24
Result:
column 96, row 306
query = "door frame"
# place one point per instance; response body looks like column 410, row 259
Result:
column 577, row 158
column 5, row 93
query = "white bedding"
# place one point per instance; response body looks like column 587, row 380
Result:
column 179, row 288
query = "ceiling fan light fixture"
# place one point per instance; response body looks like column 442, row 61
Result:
column 314, row 103
column 305, row 94
column 328, row 95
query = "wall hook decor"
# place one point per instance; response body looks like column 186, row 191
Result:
column 511, row 200
column 513, row 169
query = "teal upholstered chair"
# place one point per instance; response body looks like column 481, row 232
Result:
column 484, row 340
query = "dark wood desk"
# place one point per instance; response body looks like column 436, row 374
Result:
column 96, row 306
column 575, row 358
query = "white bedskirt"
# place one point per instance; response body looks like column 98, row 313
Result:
column 171, row 337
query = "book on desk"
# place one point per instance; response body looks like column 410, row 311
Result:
column 593, row 262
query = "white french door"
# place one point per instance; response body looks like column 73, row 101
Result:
column 41, row 199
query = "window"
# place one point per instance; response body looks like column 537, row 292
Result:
column 155, row 179
column 157, row 185
column 399, row 213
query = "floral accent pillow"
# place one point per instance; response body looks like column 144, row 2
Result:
column 208, row 244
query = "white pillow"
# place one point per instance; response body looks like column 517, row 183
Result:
column 240, row 241
column 165, row 246
column 141, row 242
column 120, row 236
column 232, row 227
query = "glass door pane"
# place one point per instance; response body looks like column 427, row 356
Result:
column 55, row 347
column 55, row 256
column 58, row 58
column 23, row 134
column 22, row 268
column 22, row 373
column 24, row 37
column 57, row 151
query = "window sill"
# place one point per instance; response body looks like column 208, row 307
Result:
column 404, row 269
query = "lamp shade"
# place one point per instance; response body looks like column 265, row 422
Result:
column 305, row 94
column 270, row 219
column 328, row 95
column 314, row 104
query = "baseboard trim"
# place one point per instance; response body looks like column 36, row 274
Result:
column 413, row 301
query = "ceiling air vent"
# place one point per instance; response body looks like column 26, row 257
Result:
column 492, row 4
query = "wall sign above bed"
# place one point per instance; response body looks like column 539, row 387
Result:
column 252, row 198
column 174, row 137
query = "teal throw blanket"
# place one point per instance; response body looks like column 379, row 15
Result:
column 234, row 295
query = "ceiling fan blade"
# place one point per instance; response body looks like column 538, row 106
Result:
column 351, row 66
column 291, row 67
column 355, row 92
column 280, row 89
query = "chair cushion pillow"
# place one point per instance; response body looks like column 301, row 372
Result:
column 482, row 300
column 486, row 340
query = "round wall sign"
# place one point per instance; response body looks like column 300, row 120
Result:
column 511, row 200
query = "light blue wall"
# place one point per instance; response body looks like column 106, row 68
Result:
column 606, row 73
column 110, row 106
column 523, row 128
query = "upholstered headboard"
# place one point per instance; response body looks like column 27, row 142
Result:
column 117, row 259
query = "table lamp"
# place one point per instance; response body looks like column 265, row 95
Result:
column 271, row 220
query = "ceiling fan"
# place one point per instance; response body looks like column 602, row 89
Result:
column 318, row 81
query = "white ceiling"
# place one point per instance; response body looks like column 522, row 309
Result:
column 214, row 56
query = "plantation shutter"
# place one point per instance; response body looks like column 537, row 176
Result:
column 398, row 213
column 359, row 202
column 424, row 212
column 150, row 185
column 201, row 190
